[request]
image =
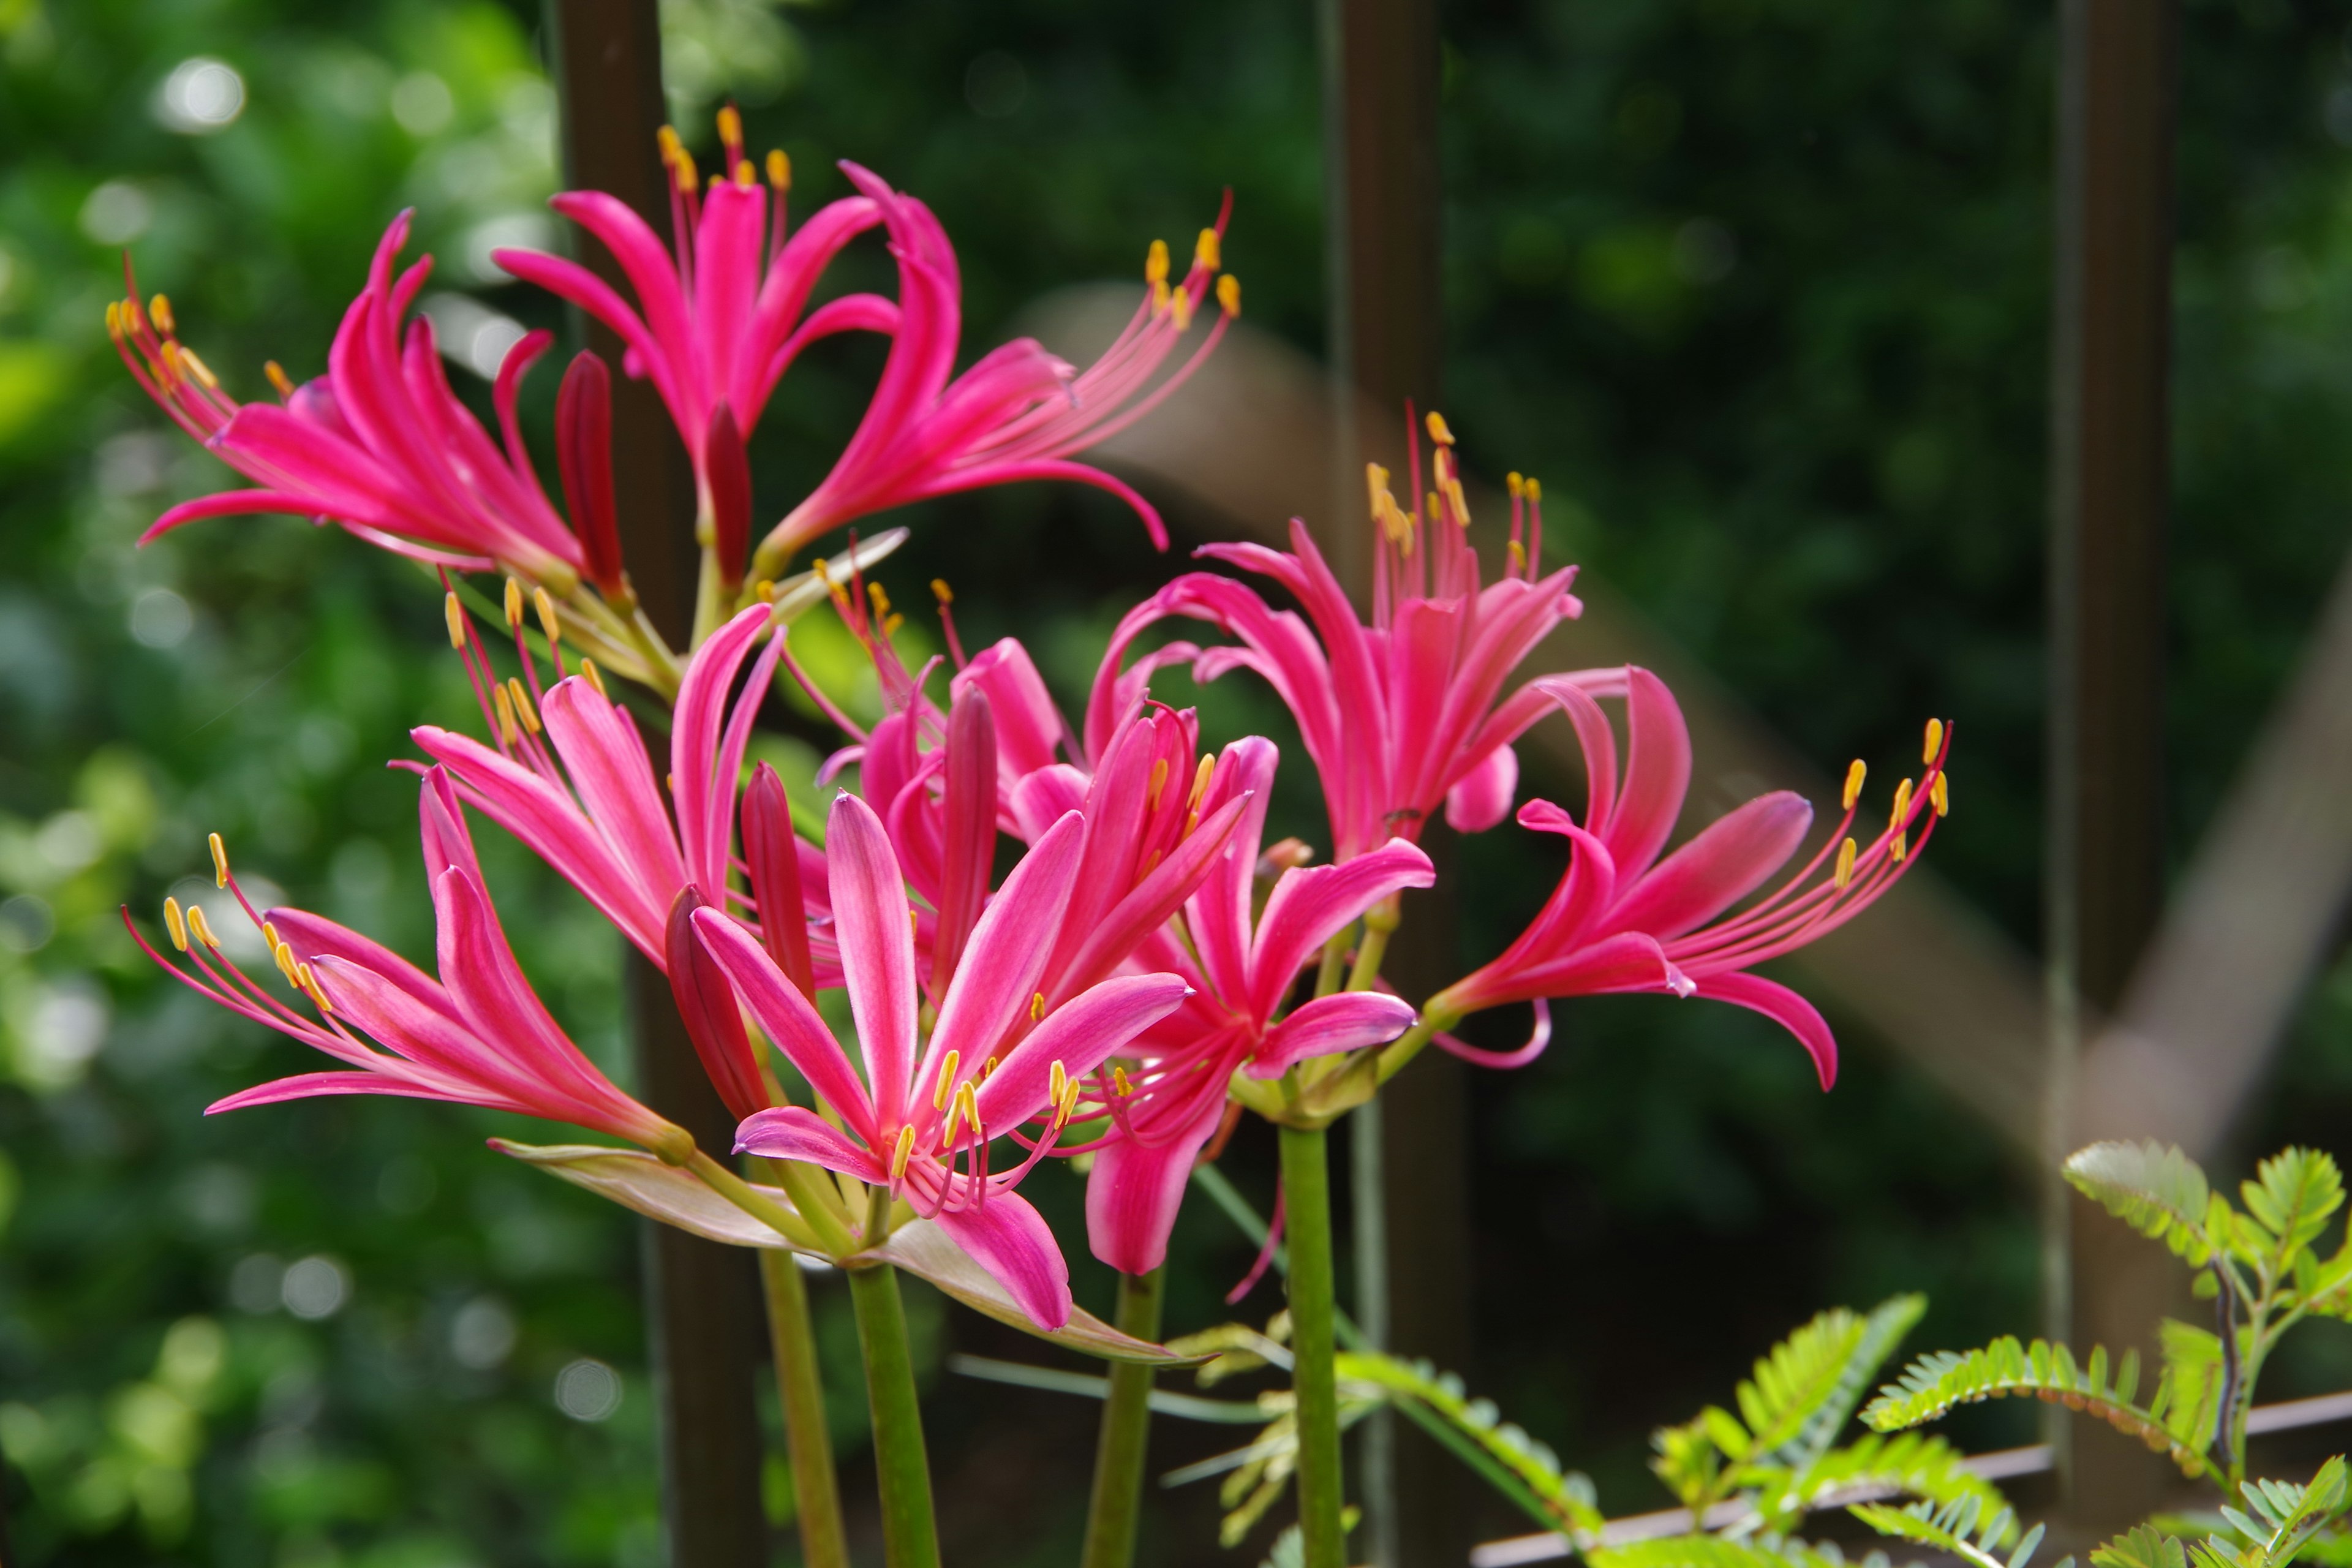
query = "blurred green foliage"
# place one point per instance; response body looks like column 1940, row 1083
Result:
column 1759, row 287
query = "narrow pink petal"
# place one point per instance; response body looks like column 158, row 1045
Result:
column 1784, row 1007
column 1013, row 1242
column 609, row 767
column 796, row 1132
column 1597, row 740
column 788, row 1019
column 1028, row 726
column 1046, row 797
column 314, row 938
column 1725, row 863
column 877, row 952
column 713, row 1018
column 1127, row 923
column 1081, row 1034
column 1134, row 1191
column 1482, row 796
column 1657, row 775
column 994, row 984
column 312, row 1085
column 1349, row 1021
column 703, row 772
column 1220, row 914
column 1310, row 904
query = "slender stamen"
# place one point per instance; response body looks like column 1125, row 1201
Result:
column 179, row 927
column 1853, row 777
column 947, row 1078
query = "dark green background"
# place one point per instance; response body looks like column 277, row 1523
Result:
column 1759, row 287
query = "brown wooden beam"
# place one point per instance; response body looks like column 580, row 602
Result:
column 701, row 1298
column 2110, row 494
column 1383, row 259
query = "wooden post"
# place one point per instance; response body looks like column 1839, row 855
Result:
column 2110, row 485
column 701, row 1298
column 1380, row 60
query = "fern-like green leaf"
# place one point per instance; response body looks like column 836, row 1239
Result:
column 2285, row 1515
column 1522, row 1468
column 2295, row 1192
column 1962, row 1528
column 1806, row 1387
column 2143, row 1546
column 2157, row 1190
column 2005, row 1368
column 1908, row 1464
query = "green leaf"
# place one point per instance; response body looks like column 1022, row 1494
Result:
column 2285, row 1515
column 2154, row 1189
column 1910, row 1464
column 1963, row 1528
column 1517, row 1465
column 1806, row 1387
column 2295, row 1192
column 1722, row 1552
column 1936, row 1383
column 637, row 1180
column 2144, row 1546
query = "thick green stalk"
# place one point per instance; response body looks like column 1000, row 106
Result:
column 910, row 1535
column 1116, row 1502
column 793, row 1338
column 1307, row 1203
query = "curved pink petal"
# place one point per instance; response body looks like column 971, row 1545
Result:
column 1482, row 796
column 1348, row 1021
column 1006, row 956
column 1081, row 1034
column 1013, row 1242
column 796, row 1132
column 1719, row 867
column 788, row 1019
column 609, row 768
column 1311, row 904
column 1135, row 1190
column 871, row 922
column 1657, row 775
column 1784, row 1007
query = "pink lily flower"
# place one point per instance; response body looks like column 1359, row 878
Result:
column 477, row 1034
column 1624, row 920
column 718, row 318
column 1242, row 969
column 576, row 786
column 1401, row 715
column 1019, row 413
column 916, row 1113
column 379, row 444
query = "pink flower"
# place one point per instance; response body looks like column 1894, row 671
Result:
column 915, row 1114
column 477, row 1034
column 578, row 788
column 719, row 320
column 1398, row 716
column 1019, row 413
column 1624, row 920
column 1242, row 970
column 380, row 443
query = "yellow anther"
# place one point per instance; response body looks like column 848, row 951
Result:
column 1844, row 865
column 1201, row 773
column 220, row 859
column 964, row 1108
column 1902, row 803
column 523, row 709
column 1940, row 794
column 1037, row 1016
column 880, row 600
column 197, row 367
column 1159, row 295
column 133, row 321
column 178, row 926
column 1898, row 847
column 1438, row 432
column 780, row 169
column 1517, row 554
column 278, row 377
column 687, row 177
column 1518, row 484
column 595, row 678
column 764, row 590
column 902, row 1153
column 505, row 715
column 817, row 570
column 544, row 602
column 284, row 958
column 160, row 309
column 1069, row 1102
column 1535, row 488
column 1208, row 250
column 1058, row 1082
column 1118, row 1084
column 308, row 979
column 269, row 935
column 988, row 1068
column 1159, row 783
column 730, row 126
column 666, row 140
column 940, row 591
column 1376, row 485
column 1461, row 502
column 946, row 1077
column 1228, row 295
column 1155, row 262
column 745, row 176
column 201, row 927
column 114, row 319
column 1934, row 744
column 455, row 614
column 514, row 605
column 1441, row 465
column 1179, row 305
column 669, row 783
column 890, row 626
column 1853, row 777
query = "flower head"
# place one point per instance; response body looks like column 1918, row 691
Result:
column 1401, row 715
column 1242, row 967
column 478, row 1034
column 380, row 443
column 1019, row 413
column 1622, row 919
column 921, row 1119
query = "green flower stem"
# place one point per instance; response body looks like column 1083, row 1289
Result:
column 910, row 1536
column 1334, row 965
column 815, row 1226
column 793, row 1338
column 1380, row 924
column 1307, row 1199
column 1409, row 1045
column 1116, row 1505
